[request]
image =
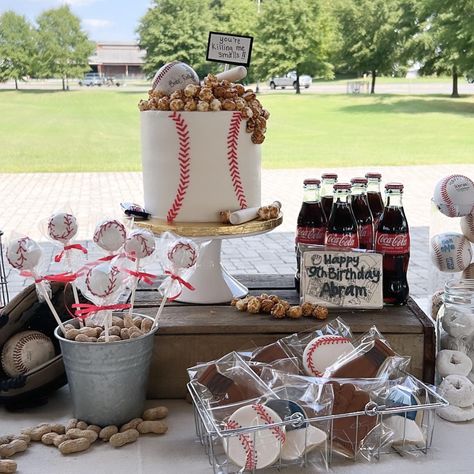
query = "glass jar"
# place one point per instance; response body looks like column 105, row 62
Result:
column 455, row 321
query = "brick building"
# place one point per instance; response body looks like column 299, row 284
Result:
column 119, row 60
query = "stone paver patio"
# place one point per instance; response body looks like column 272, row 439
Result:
column 29, row 198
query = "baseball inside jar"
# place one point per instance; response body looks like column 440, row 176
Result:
column 455, row 319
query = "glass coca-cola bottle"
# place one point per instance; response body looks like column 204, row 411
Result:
column 361, row 209
column 374, row 195
column 342, row 226
column 311, row 224
column 392, row 238
column 327, row 192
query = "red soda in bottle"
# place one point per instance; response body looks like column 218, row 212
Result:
column 392, row 238
column 311, row 224
column 361, row 210
column 327, row 192
column 374, row 195
column 342, row 225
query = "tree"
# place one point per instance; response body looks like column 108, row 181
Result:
column 64, row 48
column 172, row 30
column 291, row 36
column 446, row 40
column 372, row 35
column 17, row 47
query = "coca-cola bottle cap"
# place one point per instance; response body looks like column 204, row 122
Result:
column 373, row 175
column 359, row 180
column 312, row 181
column 329, row 176
column 398, row 186
column 339, row 186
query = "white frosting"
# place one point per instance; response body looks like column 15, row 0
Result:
column 140, row 243
column 62, row 227
column 210, row 188
column 23, row 253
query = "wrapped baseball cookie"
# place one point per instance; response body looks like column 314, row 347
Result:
column 26, row 256
column 110, row 235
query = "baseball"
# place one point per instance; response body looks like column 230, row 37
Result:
column 183, row 254
column 25, row 351
column 260, row 448
column 174, row 76
column 23, row 253
column 140, row 243
column 468, row 273
column 454, row 195
column 62, row 227
column 110, row 235
column 450, row 252
column 323, row 351
column 104, row 280
column 467, row 227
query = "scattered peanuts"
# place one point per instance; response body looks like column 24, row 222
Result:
column 74, row 445
column 132, row 424
column 13, row 447
column 49, row 438
column 59, row 439
column 84, row 338
column 71, row 334
column 72, row 423
column 82, row 425
column 155, row 427
column 111, row 339
column 37, row 432
column 107, row 432
column 278, row 307
column 77, row 433
column 156, row 413
column 7, row 466
column 95, row 428
column 120, row 439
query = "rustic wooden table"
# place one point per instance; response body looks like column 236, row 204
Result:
column 190, row 334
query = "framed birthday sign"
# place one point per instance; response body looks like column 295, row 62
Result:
column 228, row 48
column 341, row 279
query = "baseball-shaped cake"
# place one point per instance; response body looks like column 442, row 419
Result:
column 183, row 253
column 174, row 76
column 110, row 235
column 323, row 351
column 260, row 448
column 24, row 351
column 62, row 227
column 140, row 243
column 23, row 253
column 454, row 195
column 104, row 280
column 450, row 252
column 467, row 227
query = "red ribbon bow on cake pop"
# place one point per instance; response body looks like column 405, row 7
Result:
column 60, row 277
column 147, row 278
column 61, row 254
column 83, row 310
column 180, row 280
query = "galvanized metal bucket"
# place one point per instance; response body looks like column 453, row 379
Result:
column 107, row 381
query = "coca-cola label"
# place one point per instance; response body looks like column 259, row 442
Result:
column 342, row 240
column 392, row 244
column 366, row 236
column 310, row 235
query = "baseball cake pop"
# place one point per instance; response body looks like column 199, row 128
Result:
column 62, row 227
column 110, row 235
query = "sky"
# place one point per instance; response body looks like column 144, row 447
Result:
column 103, row 20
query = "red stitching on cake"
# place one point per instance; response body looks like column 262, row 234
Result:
column 266, row 417
column 67, row 234
column 324, row 340
column 247, row 445
column 232, row 157
column 184, row 159
column 146, row 249
column 99, row 233
column 163, row 73
column 21, row 252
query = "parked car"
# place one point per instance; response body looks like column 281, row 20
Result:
column 92, row 79
column 290, row 80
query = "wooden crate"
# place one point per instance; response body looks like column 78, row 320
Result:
column 190, row 334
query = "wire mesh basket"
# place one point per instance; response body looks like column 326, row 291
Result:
column 216, row 437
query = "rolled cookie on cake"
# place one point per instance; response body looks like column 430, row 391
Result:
column 453, row 363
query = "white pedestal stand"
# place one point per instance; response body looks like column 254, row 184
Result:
column 211, row 281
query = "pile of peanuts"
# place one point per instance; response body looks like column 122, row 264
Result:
column 121, row 329
column 278, row 308
column 214, row 96
column 77, row 436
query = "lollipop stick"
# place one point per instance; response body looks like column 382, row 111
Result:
column 107, row 325
column 158, row 313
column 73, row 285
column 44, row 292
column 134, row 288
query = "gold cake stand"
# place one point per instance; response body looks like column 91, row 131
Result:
column 211, row 281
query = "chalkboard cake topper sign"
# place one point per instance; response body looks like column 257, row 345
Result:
column 341, row 279
column 230, row 49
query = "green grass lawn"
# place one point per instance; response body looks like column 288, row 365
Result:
column 98, row 130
